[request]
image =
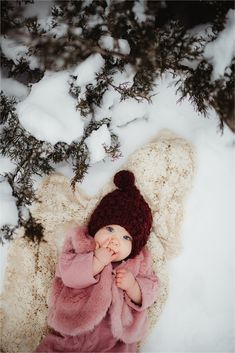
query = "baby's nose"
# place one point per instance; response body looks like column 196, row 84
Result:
column 114, row 241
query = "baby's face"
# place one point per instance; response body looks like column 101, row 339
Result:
column 117, row 239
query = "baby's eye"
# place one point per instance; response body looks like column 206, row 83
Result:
column 110, row 229
column 127, row 237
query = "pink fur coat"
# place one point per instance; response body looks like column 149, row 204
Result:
column 79, row 301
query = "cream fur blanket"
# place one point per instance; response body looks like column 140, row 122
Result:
column 163, row 169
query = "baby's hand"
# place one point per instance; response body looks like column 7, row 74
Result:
column 124, row 279
column 104, row 254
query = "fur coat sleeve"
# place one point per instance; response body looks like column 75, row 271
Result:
column 79, row 302
column 129, row 320
column 148, row 283
column 75, row 263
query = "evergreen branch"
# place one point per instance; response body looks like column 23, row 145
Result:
column 36, row 157
column 159, row 44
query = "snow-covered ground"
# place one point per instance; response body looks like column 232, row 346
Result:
column 199, row 313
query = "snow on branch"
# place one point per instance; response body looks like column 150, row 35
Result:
column 80, row 62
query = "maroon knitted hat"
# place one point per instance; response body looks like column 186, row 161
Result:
column 126, row 207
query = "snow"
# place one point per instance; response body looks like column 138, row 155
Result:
column 77, row 31
column 6, row 165
column 86, row 71
column 96, row 143
column 111, row 99
column 112, row 44
column 15, row 51
column 14, row 88
column 139, row 11
column 59, row 31
column 199, row 313
column 128, row 110
column 107, row 102
column 221, row 51
column 49, row 112
column 12, row 50
column 41, row 10
column 94, row 20
column 8, row 214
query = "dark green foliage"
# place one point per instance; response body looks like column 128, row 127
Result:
column 33, row 230
column 223, row 99
column 204, row 94
column 21, row 71
column 196, row 86
column 38, row 157
column 159, row 43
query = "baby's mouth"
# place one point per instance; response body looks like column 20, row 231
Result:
column 115, row 251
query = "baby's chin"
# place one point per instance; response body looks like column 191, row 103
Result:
column 116, row 260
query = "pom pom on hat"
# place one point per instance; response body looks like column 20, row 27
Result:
column 124, row 179
column 126, row 207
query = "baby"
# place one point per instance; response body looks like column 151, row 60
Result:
column 104, row 280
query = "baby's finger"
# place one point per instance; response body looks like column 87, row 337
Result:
column 106, row 243
column 110, row 251
column 121, row 270
column 119, row 275
column 119, row 278
column 118, row 281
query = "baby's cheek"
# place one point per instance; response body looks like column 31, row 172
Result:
column 130, row 247
column 100, row 238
